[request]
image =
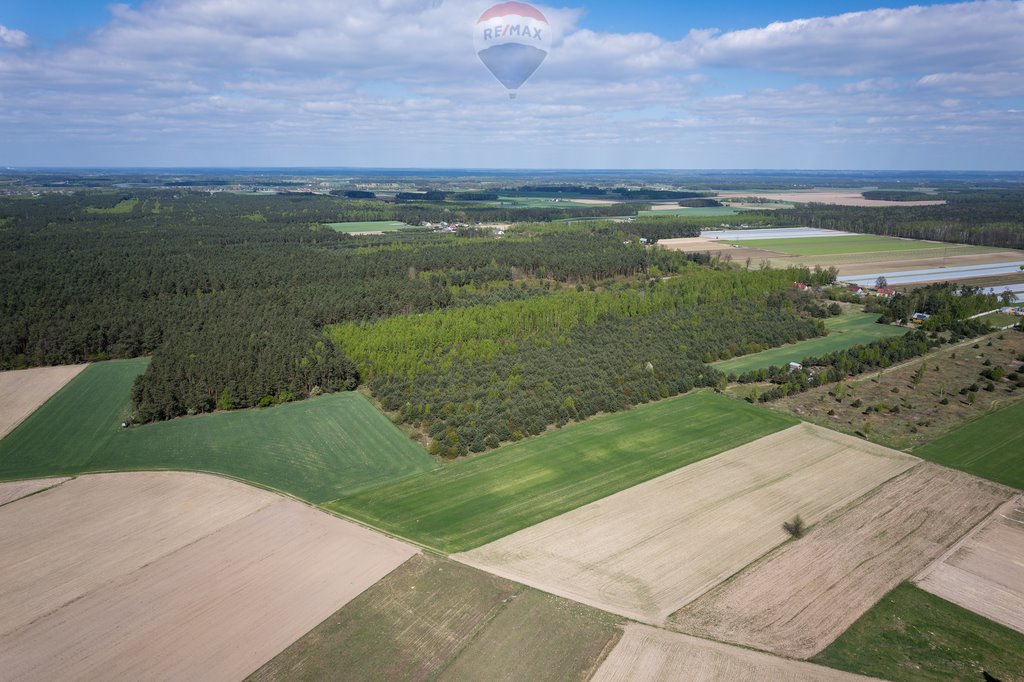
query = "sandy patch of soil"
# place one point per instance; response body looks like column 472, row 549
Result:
column 171, row 576
column 647, row 653
column 798, row 599
column 9, row 492
column 826, row 197
column 24, row 390
column 985, row 572
column 648, row 550
column 717, row 248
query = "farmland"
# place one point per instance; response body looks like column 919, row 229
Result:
column 983, row 572
column 171, row 575
column 15, row 490
column 24, row 390
column 911, row 635
column 991, row 447
column 824, row 246
column 844, row 331
column 801, row 597
column 436, row 619
column 482, row 499
column 368, row 226
column 904, row 407
column 646, row 653
column 648, row 550
column 315, row 450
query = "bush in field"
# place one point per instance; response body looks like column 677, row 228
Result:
column 795, row 528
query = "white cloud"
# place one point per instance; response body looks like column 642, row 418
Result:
column 350, row 82
column 12, row 37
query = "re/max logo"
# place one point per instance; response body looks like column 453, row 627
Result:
column 512, row 30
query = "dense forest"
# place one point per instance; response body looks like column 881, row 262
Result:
column 472, row 378
column 229, row 293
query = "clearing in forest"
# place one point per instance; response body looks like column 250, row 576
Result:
column 478, row 500
column 436, row 619
column 171, row 576
column 22, row 391
column 314, row 449
column 648, row 550
column 370, row 226
column 646, row 653
column 984, row 573
column 798, row 599
column 844, row 331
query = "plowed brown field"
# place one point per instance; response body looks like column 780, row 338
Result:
column 798, row 599
column 650, row 549
column 985, row 573
column 23, row 390
column 170, row 576
column 647, row 653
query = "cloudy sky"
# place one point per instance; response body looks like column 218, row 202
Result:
column 396, row 83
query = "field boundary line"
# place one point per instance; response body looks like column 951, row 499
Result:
column 930, row 568
column 36, row 492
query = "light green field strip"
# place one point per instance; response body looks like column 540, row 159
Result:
column 991, row 447
column 479, row 500
column 314, row 449
column 823, row 246
column 368, row 226
column 845, row 331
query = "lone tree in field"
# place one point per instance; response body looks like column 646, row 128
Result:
column 881, row 282
column 795, row 527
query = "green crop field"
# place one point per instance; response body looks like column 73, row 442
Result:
column 475, row 501
column 368, row 226
column 991, row 447
column 913, row 635
column 844, row 331
column 316, row 449
column 120, row 208
column 824, row 246
column 1000, row 320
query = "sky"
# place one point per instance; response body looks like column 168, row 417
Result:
column 397, row 83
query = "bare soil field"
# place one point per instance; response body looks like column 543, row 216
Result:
column 867, row 266
column 648, row 550
column 895, row 408
column 23, row 390
column 171, row 576
column 838, row 198
column 798, row 599
column 985, row 572
column 646, row 653
column 9, row 492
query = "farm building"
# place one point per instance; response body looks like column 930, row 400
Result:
column 854, row 289
column 795, row 367
column 918, row 318
column 882, row 291
column 800, row 285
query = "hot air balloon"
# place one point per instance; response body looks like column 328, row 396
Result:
column 512, row 39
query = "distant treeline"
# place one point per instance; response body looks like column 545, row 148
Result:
column 984, row 217
column 700, row 203
column 617, row 193
column 897, row 195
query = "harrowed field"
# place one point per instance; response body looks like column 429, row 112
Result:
column 475, row 501
column 314, row 449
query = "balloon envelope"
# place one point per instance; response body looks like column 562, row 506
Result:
column 512, row 39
